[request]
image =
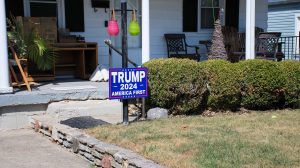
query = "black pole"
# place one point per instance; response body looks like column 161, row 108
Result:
column 125, row 54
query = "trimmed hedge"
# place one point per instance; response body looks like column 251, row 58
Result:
column 263, row 84
column 224, row 84
column 291, row 71
column 185, row 86
column 176, row 84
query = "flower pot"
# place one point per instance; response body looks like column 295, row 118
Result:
column 113, row 28
column 134, row 28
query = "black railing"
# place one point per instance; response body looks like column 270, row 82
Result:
column 110, row 48
column 290, row 47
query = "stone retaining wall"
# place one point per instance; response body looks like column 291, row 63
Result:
column 98, row 153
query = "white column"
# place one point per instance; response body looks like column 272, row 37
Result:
column 4, row 73
column 250, row 29
column 145, row 31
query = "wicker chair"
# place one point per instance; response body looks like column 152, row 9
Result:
column 178, row 48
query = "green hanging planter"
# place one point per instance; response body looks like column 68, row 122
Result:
column 134, row 28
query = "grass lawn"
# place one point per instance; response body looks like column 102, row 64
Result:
column 258, row 139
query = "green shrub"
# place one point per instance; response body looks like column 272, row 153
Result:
column 224, row 85
column 176, row 84
column 263, row 84
column 291, row 71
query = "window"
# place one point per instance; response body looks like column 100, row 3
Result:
column 14, row 8
column 43, row 8
column 200, row 14
column 40, row 8
column 209, row 13
column 69, row 13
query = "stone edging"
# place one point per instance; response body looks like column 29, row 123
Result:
column 99, row 153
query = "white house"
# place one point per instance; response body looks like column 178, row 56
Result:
column 157, row 17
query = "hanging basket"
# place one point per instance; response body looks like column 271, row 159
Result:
column 113, row 27
column 134, row 28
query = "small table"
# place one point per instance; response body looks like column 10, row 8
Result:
column 207, row 44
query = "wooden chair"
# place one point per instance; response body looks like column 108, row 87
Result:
column 18, row 62
column 231, row 41
column 178, row 48
column 266, row 47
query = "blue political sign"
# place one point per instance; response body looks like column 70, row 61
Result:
column 128, row 83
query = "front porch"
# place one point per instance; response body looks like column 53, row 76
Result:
column 157, row 18
column 58, row 100
column 55, row 91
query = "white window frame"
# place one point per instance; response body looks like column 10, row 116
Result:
column 222, row 5
column 60, row 10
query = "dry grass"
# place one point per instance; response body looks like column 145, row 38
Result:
column 269, row 139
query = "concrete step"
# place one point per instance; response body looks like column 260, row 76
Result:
column 19, row 116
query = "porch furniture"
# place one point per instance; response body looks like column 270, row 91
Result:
column 76, row 59
column 266, row 47
column 178, row 48
column 20, row 63
column 234, row 41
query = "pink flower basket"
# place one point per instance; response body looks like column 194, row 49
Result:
column 113, row 27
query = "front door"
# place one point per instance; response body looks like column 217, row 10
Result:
column 232, row 13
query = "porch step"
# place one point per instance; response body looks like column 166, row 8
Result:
column 45, row 93
column 109, row 111
column 70, row 112
column 59, row 100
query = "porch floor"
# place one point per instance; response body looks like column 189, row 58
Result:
column 58, row 90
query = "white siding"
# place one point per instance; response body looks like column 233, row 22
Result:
column 165, row 17
column 95, row 30
column 282, row 18
column 261, row 17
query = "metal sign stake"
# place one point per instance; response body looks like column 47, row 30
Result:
column 125, row 54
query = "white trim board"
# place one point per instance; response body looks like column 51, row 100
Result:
column 297, row 24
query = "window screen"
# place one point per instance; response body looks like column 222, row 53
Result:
column 209, row 13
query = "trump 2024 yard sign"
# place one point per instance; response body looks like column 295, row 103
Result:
column 128, row 83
